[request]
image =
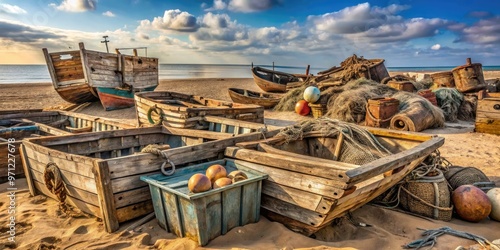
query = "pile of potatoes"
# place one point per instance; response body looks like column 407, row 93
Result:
column 215, row 177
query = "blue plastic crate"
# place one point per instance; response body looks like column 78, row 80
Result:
column 204, row 216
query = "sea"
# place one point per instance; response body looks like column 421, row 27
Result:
column 13, row 74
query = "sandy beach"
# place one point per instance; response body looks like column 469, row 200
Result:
column 42, row 226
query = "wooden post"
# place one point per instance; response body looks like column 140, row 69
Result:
column 105, row 196
column 307, row 69
column 135, row 52
column 117, row 51
column 469, row 61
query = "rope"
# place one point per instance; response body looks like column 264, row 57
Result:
column 155, row 149
column 54, row 182
column 159, row 112
column 425, row 202
column 432, row 234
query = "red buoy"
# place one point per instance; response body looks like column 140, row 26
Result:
column 302, row 108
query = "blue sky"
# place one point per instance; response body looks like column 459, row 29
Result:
column 289, row 32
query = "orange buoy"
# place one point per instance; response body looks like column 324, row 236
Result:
column 471, row 203
column 302, row 108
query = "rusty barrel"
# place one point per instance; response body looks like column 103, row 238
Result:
column 469, row 77
column 402, row 85
column 443, row 79
column 379, row 111
column 429, row 95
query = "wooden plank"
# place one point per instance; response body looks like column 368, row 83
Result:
column 26, row 167
column 231, row 201
column 105, row 195
column 133, row 211
column 297, row 197
column 50, row 66
column 390, row 162
column 132, row 196
column 71, row 190
column 291, row 211
column 85, row 207
column 408, row 135
column 294, row 162
column 487, row 105
column 296, row 180
column 189, row 218
column 173, row 214
column 79, row 181
column 157, row 200
column 487, row 126
column 250, row 203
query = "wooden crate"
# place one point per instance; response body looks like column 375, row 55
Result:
column 101, row 170
column 187, row 111
column 488, row 116
column 41, row 124
column 307, row 189
column 204, row 216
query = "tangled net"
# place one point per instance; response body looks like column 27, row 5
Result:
column 359, row 146
column 449, row 100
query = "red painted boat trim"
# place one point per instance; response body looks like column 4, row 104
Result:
column 112, row 102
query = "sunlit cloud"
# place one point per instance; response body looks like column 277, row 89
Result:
column 108, row 14
column 76, row 5
column 11, row 9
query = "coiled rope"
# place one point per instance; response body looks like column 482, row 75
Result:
column 156, row 150
column 54, row 182
column 432, row 234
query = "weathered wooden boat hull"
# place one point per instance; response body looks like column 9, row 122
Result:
column 112, row 98
column 187, row 111
column 265, row 100
column 306, row 193
column 275, row 81
column 101, row 170
column 377, row 71
column 42, row 124
column 76, row 75
column 77, row 93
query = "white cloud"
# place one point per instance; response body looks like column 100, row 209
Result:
column 373, row 24
column 436, row 46
column 245, row 6
column 174, row 20
column 108, row 14
column 218, row 5
column 251, row 5
column 11, row 9
column 485, row 31
column 76, row 5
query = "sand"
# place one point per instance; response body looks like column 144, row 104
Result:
column 42, row 226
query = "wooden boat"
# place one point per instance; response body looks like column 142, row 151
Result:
column 275, row 81
column 306, row 189
column 266, row 100
column 187, row 111
column 101, row 170
column 16, row 126
column 84, row 75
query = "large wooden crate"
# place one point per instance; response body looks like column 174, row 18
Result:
column 204, row 216
column 308, row 188
column 488, row 116
column 187, row 111
column 101, row 170
column 23, row 124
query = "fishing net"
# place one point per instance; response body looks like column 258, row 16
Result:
column 348, row 102
column 359, row 146
column 467, row 110
column 353, row 66
column 288, row 101
column 449, row 100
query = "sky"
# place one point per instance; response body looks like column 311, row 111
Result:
column 320, row 33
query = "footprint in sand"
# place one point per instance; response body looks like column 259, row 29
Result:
column 21, row 227
column 50, row 242
column 1, row 204
column 81, row 230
